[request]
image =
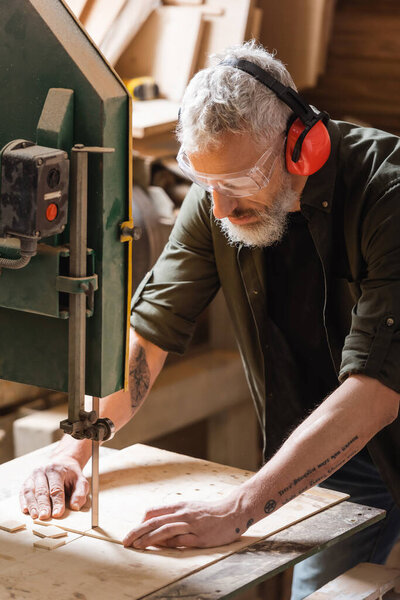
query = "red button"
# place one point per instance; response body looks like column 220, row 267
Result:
column 51, row 211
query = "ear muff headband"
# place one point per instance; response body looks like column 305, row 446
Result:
column 308, row 143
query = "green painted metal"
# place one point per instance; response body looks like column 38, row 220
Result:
column 56, row 124
column 43, row 47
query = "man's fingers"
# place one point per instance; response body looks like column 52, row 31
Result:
column 79, row 495
column 42, row 494
column 147, row 526
column 22, row 503
column 188, row 541
column 28, row 500
column 160, row 535
column 157, row 511
column 56, row 491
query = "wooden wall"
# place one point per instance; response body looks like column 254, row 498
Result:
column 362, row 77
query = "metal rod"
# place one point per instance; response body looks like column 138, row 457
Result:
column 77, row 302
column 95, row 473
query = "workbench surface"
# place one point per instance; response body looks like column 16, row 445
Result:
column 223, row 579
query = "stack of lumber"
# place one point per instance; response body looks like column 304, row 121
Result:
column 169, row 40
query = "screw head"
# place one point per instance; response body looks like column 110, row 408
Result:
column 389, row 322
column 39, row 162
column 325, row 204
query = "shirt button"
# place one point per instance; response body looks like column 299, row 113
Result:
column 325, row 204
column 389, row 321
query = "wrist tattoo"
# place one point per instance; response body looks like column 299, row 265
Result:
column 139, row 376
column 270, row 506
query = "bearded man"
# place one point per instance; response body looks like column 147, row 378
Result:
column 296, row 217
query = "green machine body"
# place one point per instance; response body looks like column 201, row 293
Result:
column 59, row 93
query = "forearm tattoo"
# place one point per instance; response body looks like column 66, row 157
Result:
column 139, row 376
column 312, row 476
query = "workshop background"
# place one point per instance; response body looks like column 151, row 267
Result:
column 343, row 56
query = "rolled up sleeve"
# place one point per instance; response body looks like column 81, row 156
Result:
column 183, row 281
column 373, row 345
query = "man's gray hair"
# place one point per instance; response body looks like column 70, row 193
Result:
column 223, row 99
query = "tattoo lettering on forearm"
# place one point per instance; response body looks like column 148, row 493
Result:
column 270, row 506
column 139, row 376
column 336, row 460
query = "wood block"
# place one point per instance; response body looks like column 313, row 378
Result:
column 12, row 525
column 49, row 544
column 152, row 117
column 366, row 581
column 48, row 531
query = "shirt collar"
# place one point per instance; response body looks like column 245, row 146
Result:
column 319, row 188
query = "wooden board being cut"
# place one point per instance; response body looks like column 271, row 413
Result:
column 131, row 482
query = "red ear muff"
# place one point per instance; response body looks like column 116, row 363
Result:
column 313, row 151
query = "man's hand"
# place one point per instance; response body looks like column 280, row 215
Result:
column 44, row 491
column 190, row 524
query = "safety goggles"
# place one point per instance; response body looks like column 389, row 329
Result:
column 241, row 183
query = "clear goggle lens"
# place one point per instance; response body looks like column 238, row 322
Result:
column 242, row 183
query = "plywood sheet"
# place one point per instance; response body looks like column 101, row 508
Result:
column 132, row 481
column 220, row 32
column 166, row 47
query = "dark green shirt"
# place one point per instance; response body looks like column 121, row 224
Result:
column 352, row 206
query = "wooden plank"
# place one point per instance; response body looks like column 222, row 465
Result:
column 292, row 24
column 153, row 117
column 221, row 32
column 125, row 27
column 76, row 6
column 100, row 18
column 255, row 23
column 130, row 482
column 89, row 569
column 366, row 581
column 173, row 477
column 183, row 2
column 166, row 47
column 270, row 557
column 156, row 147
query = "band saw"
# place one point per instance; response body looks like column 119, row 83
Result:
column 65, row 215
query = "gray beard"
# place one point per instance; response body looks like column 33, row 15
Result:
column 271, row 227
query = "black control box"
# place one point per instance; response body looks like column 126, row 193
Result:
column 34, row 190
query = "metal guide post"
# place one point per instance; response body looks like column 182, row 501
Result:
column 81, row 424
column 77, row 302
column 95, row 472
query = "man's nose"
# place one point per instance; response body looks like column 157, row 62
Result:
column 223, row 206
